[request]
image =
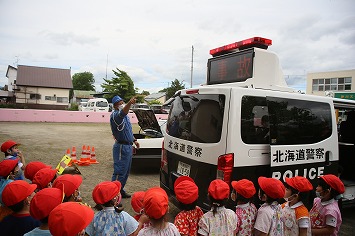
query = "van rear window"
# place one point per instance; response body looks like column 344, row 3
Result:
column 284, row 121
column 197, row 117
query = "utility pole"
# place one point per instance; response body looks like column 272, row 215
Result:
column 192, row 64
column 106, row 65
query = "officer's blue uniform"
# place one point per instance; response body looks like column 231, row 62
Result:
column 122, row 149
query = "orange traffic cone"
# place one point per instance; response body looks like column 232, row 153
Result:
column 93, row 156
column 68, row 152
column 73, row 155
column 88, row 154
column 83, row 158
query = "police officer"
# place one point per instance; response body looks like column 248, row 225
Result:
column 122, row 149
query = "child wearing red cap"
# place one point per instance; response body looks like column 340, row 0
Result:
column 111, row 220
column 7, row 170
column 186, row 192
column 70, row 219
column 156, row 205
column 71, row 185
column 295, row 215
column 268, row 219
column 41, row 206
column 32, row 168
column 17, row 196
column 12, row 152
column 219, row 220
column 325, row 214
column 137, row 204
column 44, row 178
column 243, row 191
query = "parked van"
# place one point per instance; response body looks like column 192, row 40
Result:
column 98, row 105
column 82, row 106
column 247, row 123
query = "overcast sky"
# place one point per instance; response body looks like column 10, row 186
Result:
column 152, row 40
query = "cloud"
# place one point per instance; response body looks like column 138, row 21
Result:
column 69, row 38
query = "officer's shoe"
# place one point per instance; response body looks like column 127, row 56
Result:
column 125, row 195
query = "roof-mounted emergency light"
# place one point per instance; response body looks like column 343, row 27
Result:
column 258, row 42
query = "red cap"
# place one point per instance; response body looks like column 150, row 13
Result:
column 105, row 191
column 334, row 182
column 299, row 183
column 137, row 201
column 186, row 190
column 32, row 168
column 218, row 189
column 43, row 177
column 272, row 187
column 45, row 201
column 155, row 202
column 70, row 182
column 69, row 218
column 17, row 191
column 7, row 145
column 244, row 187
column 6, row 166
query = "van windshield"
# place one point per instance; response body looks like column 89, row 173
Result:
column 197, row 117
column 101, row 104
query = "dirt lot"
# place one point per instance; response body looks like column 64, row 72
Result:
column 48, row 142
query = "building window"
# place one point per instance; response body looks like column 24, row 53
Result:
column 35, row 96
column 50, row 98
column 332, row 84
column 62, row 99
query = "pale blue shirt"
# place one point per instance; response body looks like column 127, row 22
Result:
column 38, row 232
column 108, row 222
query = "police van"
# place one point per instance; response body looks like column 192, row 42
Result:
column 245, row 123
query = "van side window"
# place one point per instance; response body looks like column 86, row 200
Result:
column 197, row 118
column 295, row 121
column 254, row 120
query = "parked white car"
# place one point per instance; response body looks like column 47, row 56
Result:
column 83, row 106
column 98, row 105
column 150, row 138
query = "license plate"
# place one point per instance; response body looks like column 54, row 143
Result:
column 183, row 168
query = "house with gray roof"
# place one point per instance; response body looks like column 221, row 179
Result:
column 41, row 87
column 161, row 97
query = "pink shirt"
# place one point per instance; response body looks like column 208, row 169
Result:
column 268, row 219
column 325, row 213
column 246, row 214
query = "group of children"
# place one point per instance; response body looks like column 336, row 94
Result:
column 48, row 204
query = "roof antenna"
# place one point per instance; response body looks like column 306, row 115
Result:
column 16, row 61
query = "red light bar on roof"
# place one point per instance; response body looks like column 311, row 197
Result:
column 247, row 43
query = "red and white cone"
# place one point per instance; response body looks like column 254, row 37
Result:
column 93, row 156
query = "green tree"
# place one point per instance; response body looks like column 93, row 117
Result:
column 83, row 81
column 145, row 93
column 121, row 85
column 175, row 86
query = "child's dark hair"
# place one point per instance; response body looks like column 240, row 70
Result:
column 18, row 206
column 305, row 197
column 269, row 199
column 187, row 207
column 111, row 203
column 216, row 203
column 240, row 198
column 44, row 220
column 325, row 186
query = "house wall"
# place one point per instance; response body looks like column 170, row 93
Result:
column 11, row 75
column 42, row 96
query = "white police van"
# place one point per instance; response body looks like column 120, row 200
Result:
column 247, row 123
